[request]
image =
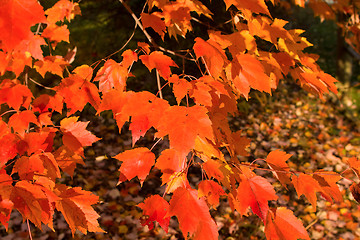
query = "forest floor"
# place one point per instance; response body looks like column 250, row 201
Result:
column 320, row 134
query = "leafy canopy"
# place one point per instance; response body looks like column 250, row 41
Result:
column 230, row 64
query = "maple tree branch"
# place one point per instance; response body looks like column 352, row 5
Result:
column 282, row 171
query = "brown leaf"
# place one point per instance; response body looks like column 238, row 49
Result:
column 355, row 191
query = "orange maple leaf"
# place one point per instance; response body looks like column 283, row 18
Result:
column 211, row 191
column 52, row 64
column 251, row 74
column 56, row 33
column 75, row 85
column 75, row 135
column 33, row 203
column 6, row 207
column 180, row 87
column 8, row 148
column 144, row 108
column 255, row 192
column 112, row 75
column 16, row 18
column 277, row 161
column 190, row 121
column 170, row 163
column 327, row 181
column 75, row 205
column 159, row 61
column 38, row 141
column 19, row 122
column 43, row 164
column 155, row 22
column 193, row 214
column 307, row 185
column 282, row 224
column 14, row 95
column 45, row 103
column 214, row 56
column 129, row 57
column 256, row 6
column 32, row 46
column 63, row 9
column 135, row 162
column 68, row 159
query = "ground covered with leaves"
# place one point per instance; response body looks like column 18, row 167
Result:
column 319, row 134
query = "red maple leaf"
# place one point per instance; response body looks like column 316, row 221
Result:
column 156, row 208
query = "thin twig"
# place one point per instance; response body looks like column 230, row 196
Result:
column 127, row 42
column 39, row 84
column 155, row 143
column 138, row 23
column 312, row 223
column 26, row 78
column 159, row 84
column 10, row 111
column 147, row 35
column 38, row 29
column 206, row 66
column 28, row 225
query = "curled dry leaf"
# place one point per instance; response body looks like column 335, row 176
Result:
column 355, row 191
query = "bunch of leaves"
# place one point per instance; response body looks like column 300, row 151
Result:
column 31, row 163
column 229, row 64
